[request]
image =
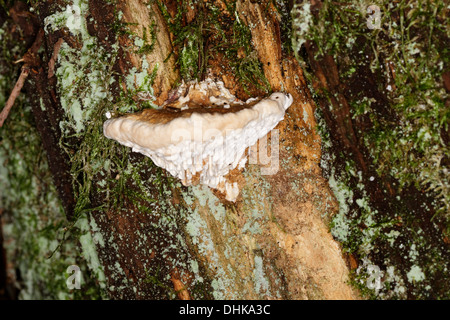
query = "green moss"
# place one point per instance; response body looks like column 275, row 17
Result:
column 403, row 135
column 144, row 46
column 34, row 221
column 412, row 41
column 101, row 168
column 391, row 240
column 85, row 79
column 106, row 176
column 213, row 32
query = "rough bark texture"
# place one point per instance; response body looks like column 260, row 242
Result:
column 137, row 12
column 353, row 137
column 274, row 242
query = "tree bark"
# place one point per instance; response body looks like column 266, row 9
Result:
column 273, row 243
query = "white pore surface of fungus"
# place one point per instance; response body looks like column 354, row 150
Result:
column 203, row 144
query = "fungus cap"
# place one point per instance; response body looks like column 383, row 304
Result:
column 205, row 143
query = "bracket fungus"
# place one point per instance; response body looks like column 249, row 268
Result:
column 202, row 132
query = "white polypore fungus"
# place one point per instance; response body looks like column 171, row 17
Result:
column 200, row 144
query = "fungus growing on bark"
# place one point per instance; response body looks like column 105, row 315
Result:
column 203, row 136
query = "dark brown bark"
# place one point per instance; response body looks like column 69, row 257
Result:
column 47, row 115
column 347, row 132
column 47, row 124
column 140, row 252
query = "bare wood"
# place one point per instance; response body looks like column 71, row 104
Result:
column 14, row 94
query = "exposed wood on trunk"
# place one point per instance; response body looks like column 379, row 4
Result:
column 273, row 243
column 147, row 18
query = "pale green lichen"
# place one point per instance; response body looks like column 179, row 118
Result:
column 85, row 76
column 340, row 226
column 198, row 230
column 216, row 241
column 301, row 22
column 83, row 73
column 259, row 278
column 32, row 208
column 415, row 274
column 365, row 241
column 78, row 101
column 72, row 18
column 89, row 250
column 33, row 219
column 206, row 197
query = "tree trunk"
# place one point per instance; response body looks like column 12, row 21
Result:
column 175, row 241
